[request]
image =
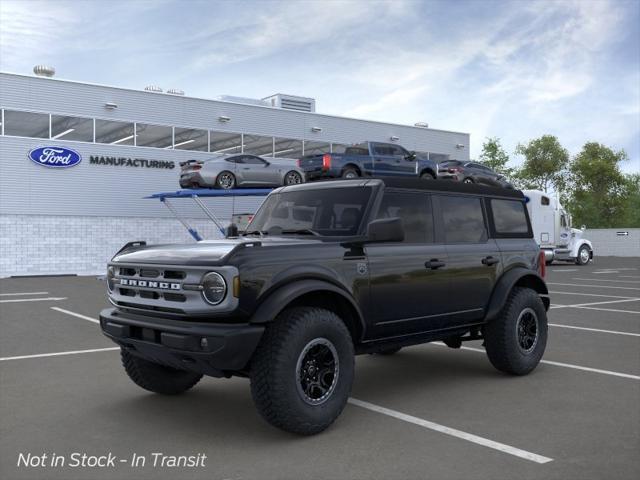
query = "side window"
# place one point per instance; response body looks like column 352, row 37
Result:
column 509, row 216
column 544, row 200
column 463, row 219
column 234, row 160
column 252, row 160
column 415, row 211
column 398, row 151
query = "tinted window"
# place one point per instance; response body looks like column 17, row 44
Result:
column 235, row 159
column 415, row 211
column 26, row 124
column 157, row 136
column 329, row 212
column 509, row 216
column 463, row 219
column 544, row 200
column 252, row 160
column 71, row 128
column 115, row 133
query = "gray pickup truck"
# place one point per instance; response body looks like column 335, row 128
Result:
column 369, row 159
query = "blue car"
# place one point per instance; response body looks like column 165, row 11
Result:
column 368, row 159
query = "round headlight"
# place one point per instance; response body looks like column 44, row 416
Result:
column 214, row 288
column 111, row 273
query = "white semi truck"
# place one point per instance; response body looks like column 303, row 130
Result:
column 553, row 231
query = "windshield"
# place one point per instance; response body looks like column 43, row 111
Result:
column 326, row 212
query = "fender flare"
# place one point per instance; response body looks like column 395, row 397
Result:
column 580, row 243
column 429, row 170
column 506, row 283
column 276, row 301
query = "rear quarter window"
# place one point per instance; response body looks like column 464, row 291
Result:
column 510, row 218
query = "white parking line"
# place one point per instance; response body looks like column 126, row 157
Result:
column 23, row 293
column 485, row 442
column 598, row 330
column 559, row 364
column 607, row 280
column 629, row 276
column 47, row 299
column 606, row 271
column 57, row 354
column 636, row 312
column 563, row 270
column 73, row 314
column 594, row 286
column 587, row 294
column 577, row 305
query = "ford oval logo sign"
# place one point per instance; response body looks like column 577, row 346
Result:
column 55, row 157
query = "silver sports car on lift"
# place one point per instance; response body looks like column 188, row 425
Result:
column 242, row 170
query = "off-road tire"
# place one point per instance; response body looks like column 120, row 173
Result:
column 219, row 179
column 501, row 335
column 274, row 370
column 579, row 260
column 157, row 378
column 350, row 172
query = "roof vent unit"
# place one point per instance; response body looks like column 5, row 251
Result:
column 44, row 71
column 244, row 100
column 153, row 88
column 292, row 102
column 175, row 91
column 421, row 124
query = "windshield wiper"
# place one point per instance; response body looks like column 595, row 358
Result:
column 302, row 231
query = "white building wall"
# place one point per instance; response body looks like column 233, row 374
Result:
column 609, row 242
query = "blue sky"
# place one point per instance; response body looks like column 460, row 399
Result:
column 515, row 70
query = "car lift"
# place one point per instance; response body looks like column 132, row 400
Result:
column 197, row 194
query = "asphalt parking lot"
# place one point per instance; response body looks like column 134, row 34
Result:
column 426, row 412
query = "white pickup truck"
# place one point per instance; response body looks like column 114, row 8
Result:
column 553, row 231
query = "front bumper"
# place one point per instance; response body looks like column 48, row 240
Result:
column 207, row 348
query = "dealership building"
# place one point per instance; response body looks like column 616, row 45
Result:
column 127, row 144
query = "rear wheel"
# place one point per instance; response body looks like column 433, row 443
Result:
column 515, row 341
column 302, row 371
column 157, row 378
column 292, row 178
column 584, row 255
column 350, row 172
column 226, row 180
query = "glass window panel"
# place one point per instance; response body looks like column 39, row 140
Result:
column 26, row 124
column 115, row 133
column 227, row 143
column 288, row 148
column 316, row 148
column 258, row 145
column 414, row 209
column 438, row 157
column 191, row 139
column 463, row 220
column 338, row 148
column 157, row 136
column 509, row 216
column 71, row 128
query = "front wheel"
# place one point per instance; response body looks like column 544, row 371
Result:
column 226, row 180
column 157, row 378
column 427, row 176
column 584, row 255
column 302, row 371
column 515, row 341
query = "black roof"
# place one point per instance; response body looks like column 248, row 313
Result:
column 450, row 186
column 414, row 183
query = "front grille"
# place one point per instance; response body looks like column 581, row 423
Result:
column 149, row 273
column 152, row 308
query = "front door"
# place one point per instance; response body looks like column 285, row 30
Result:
column 474, row 260
column 409, row 287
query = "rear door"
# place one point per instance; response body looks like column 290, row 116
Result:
column 474, row 261
column 383, row 160
column 409, row 287
column 258, row 171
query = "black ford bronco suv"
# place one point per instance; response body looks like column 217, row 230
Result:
column 326, row 271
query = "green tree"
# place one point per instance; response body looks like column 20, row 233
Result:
column 495, row 157
column 599, row 192
column 631, row 211
column 545, row 164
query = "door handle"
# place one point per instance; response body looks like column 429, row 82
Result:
column 488, row 261
column 434, row 264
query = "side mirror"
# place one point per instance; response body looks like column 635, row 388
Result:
column 385, row 230
column 583, row 227
column 411, row 156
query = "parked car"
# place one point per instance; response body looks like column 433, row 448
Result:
column 369, row 159
column 326, row 271
column 471, row 172
column 231, row 171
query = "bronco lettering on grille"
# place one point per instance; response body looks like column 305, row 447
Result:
column 130, row 282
